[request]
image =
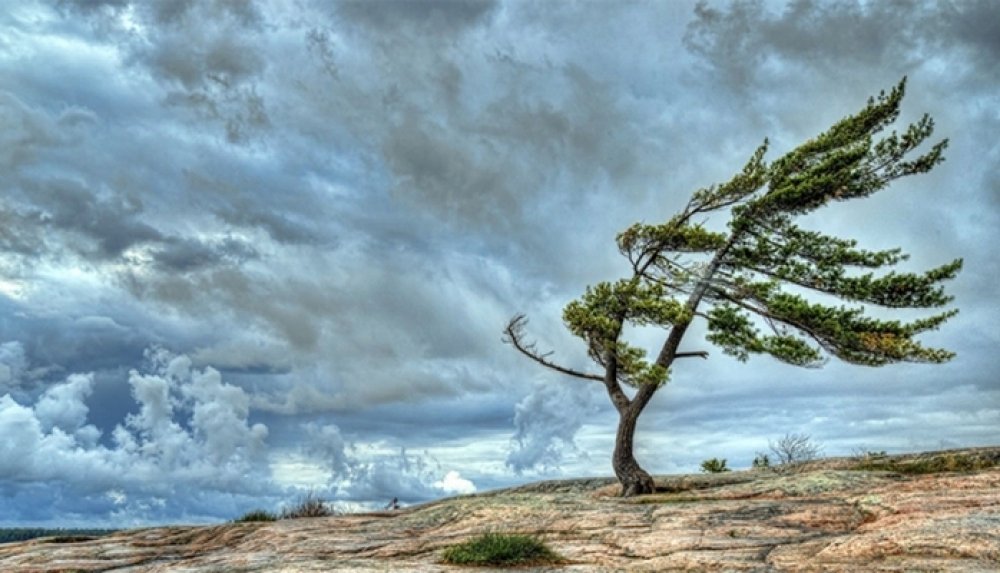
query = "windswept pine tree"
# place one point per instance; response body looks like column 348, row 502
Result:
column 751, row 282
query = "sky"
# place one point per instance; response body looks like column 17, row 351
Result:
column 256, row 249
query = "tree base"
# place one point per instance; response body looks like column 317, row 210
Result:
column 640, row 483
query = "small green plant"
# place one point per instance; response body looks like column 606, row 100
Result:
column 714, row 466
column 761, row 461
column 310, row 506
column 500, row 549
column 256, row 515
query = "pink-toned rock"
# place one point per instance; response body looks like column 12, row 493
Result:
column 822, row 517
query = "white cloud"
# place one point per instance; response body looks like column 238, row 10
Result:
column 64, row 406
column 546, row 423
column 327, row 447
column 401, row 475
column 191, row 431
column 189, row 451
column 454, row 483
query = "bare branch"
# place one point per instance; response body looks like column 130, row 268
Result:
column 514, row 335
column 795, row 448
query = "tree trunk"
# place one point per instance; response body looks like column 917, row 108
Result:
column 634, row 479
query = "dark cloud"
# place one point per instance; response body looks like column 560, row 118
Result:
column 89, row 6
column 431, row 17
column 13, row 364
column 751, row 42
column 182, row 255
column 743, row 35
column 28, row 130
column 972, row 27
column 740, row 39
column 205, row 55
column 104, row 228
column 289, row 228
column 17, row 237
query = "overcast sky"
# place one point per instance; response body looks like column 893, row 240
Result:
column 255, row 248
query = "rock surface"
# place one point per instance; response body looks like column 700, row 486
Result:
column 821, row 517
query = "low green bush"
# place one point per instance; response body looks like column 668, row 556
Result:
column 499, row 549
column 761, row 462
column 256, row 515
column 714, row 466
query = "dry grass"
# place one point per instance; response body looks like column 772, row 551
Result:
column 310, row 506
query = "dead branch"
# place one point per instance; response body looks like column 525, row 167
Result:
column 514, row 335
column 698, row 353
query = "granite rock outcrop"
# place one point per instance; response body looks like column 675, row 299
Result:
column 931, row 512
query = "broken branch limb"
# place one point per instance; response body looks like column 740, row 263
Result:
column 514, row 335
column 698, row 353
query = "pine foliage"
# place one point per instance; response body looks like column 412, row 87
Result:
column 757, row 276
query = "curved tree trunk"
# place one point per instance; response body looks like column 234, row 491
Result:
column 634, row 479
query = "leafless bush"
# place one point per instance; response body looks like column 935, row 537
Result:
column 794, row 448
column 310, row 506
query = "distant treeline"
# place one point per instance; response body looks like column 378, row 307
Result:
column 25, row 533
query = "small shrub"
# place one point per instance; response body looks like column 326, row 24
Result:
column 256, row 515
column 714, row 466
column 310, row 506
column 795, row 448
column 863, row 455
column 499, row 549
column 761, row 461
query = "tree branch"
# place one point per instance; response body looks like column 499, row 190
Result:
column 767, row 315
column 698, row 353
column 668, row 353
column 514, row 335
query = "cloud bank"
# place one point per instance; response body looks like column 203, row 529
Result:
column 188, row 453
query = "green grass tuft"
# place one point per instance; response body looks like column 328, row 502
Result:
column 500, row 549
column 256, row 515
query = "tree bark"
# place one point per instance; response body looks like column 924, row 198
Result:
column 634, row 479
